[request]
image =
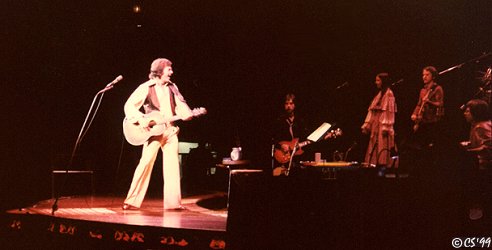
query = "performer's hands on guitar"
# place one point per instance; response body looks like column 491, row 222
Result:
column 333, row 134
column 283, row 153
column 144, row 123
column 425, row 102
column 138, row 131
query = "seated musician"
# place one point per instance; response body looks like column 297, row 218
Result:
column 287, row 130
column 480, row 146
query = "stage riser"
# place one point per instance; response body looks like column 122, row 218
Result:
column 27, row 231
column 358, row 210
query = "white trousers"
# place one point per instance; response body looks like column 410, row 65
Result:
column 171, row 173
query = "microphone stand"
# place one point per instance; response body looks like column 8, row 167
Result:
column 374, row 146
column 395, row 84
column 484, row 55
column 272, row 155
column 396, row 169
column 485, row 89
column 81, row 135
column 291, row 157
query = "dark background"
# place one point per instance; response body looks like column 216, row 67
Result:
column 236, row 58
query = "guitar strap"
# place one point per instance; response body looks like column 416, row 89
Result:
column 430, row 95
column 152, row 102
column 171, row 98
column 432, row 91
column 291, row 123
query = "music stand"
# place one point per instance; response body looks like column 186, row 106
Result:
column 315, row 136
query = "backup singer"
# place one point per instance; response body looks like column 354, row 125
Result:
column 157, row 94
column 379, row 123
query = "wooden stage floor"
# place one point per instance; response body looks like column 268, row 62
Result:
column 100, row 222
column 108, row 209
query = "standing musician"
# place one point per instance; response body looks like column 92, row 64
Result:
column 161, row 95
column 379, row 124
column 429, row 110
column 287, row 130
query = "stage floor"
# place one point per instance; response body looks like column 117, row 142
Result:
column 358, row 210
column 203, row 212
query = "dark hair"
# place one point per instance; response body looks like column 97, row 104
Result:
column 157, row 67
column 479, row 110
column 385, row 80
column 290, row 96
column 433, row 71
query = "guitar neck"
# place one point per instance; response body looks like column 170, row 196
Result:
column 194, row 113
column 173, row 119
column 155, row 121
column 304, row 143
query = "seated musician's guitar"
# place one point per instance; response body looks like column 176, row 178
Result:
column 282, row 155
column 138, row 135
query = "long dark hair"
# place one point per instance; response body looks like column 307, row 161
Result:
column 385, row 81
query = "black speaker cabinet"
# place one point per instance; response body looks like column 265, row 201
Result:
column 246, row 221
column 72, row 182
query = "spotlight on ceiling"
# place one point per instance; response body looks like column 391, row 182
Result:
column 137, row 8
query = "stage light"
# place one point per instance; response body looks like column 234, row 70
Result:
column 137, row 9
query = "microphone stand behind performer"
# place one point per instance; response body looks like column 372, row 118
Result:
column 157, row 94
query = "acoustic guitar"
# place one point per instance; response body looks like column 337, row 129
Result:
column 136, row 134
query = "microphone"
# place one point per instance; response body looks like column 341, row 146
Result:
column 342, row 85
column 117, row 79
column 397, row 82
column 354, row 144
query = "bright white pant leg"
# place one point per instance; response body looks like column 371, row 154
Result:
column 142, row 174
column 172, row 178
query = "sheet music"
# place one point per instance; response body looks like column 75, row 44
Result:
column 319, row 132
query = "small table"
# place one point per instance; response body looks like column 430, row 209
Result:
column 230, row 164
column 233, row 166
column 330, row 168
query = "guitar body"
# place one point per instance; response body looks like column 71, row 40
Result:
column 279, row 171
column 282, row 154
column 429, row 95
column 137, row 135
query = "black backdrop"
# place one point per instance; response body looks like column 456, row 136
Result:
column 237, row 58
